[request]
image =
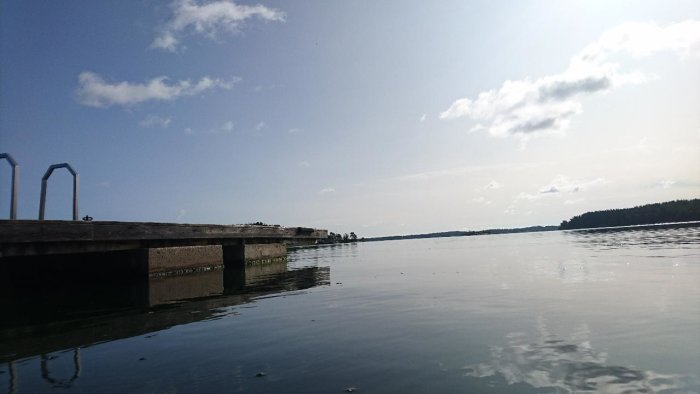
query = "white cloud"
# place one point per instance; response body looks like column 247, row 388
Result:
column 481, row 200
column 427, row 175
column 155, row 120
column 460, row 171
column 527, row 196
column 294, row 130
column 667, row 183
column 475, row 128
column 94, row 91
column 559, row 185
column 260, row 126
column 209, row 19
column 227, row 126
column 644, row 39
column 327, row 190
column 529, row 107
column 423, row 117
column 562, row 184
column 493, row 185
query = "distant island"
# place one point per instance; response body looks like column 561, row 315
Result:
column 665, row 212
column 466, row 233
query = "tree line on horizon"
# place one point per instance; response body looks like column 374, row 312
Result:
column 446, row 234
column 334, row 238
column 665, row 212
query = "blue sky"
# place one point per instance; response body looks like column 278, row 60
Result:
column 375, row 117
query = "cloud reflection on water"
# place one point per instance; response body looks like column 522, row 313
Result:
column 573, row 365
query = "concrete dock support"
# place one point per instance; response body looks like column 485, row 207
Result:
column 183, row 259
column 265, row 253
column 239, row 256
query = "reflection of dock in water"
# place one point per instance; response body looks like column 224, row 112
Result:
column 56, row 316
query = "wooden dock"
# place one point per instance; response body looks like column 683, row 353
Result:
column 152, row 247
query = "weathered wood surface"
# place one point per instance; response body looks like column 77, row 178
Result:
column 18, row 237
column 16, row 231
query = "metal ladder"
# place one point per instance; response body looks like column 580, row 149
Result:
column 44, row 185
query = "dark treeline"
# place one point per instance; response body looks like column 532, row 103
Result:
column 334, row 238
column 466, row 233
column 414, row 236
column 531, row 229
column 665, row 212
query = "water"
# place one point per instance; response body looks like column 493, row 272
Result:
column 599, row 311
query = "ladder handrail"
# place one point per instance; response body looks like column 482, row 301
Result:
column 44, row 184
column 14, row 184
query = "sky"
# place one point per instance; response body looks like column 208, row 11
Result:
column 382, row 118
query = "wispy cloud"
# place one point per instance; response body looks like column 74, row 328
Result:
column 481, row 200
column 475, row 128
column 327, row 190
column 559, row 186
column 155, row 121
column 304, row 164
column 528, row 107
column 492, row 185
column 457, row 171
column 94, row 91
column 226, row 127
column 261, row 125
column 423, row 117
column 666, row 184
column 527, row 196
column 562, row 184
column 210, row 19
column 439, row 173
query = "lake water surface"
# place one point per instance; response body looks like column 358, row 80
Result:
column 600, row 311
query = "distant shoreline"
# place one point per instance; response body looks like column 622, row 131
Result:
column 447, row 234
column 532, row 230
column 670, row 213
column 677, row 211
column 664, row 213
column 692, row 223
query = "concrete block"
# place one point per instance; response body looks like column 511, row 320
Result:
column 265, row 253
column 184, row 258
